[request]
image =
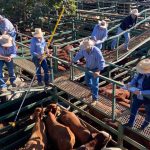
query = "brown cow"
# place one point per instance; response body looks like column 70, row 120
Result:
column 38, row 139
column 71, row 120
column 60, row 134
column 99, row 141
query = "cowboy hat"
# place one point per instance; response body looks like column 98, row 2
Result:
column 38, row 32
column 1, row 17
column 135, row 12
column 6, row 41
column 143, row 66
column 86, row 44
column 102, row 24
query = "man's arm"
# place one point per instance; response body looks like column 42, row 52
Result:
column 104, row 38
column 93, row 35
column 101, row 61
column 78, row 56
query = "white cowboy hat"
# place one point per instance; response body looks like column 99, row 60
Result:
column 143, row 66
column 6, row 41
column 135, row 12
column 86, row 44
column 38, row 32
column 1, row 17
column 102, row 24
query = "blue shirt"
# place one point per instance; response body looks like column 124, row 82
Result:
column 128, row 22
column 99, row 34
column 37, row 47
column 7, row 26
column 11, row 51
column 94, row 59
column 140, row 81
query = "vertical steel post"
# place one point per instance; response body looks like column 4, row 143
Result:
column 51, row 70
column 113, row 101
column 117, row 55
column 71, row 67
column 55, row 61
column 120, row 136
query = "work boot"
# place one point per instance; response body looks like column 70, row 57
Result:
column 93, row 103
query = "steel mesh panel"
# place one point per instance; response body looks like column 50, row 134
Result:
column 25, row 65
column 138, row 122
column 72, row 88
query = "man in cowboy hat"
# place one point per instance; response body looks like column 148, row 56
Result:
column 94, row 62
column 100, row 33
column 6, row 27
column 140, row 87
column 126, row 23
column 38, row 49
column 7, row 53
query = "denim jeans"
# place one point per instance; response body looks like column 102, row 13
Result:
column 10, row 66
column 127, row 39
column 134, row 109
column 38, row 69
column 92, row 83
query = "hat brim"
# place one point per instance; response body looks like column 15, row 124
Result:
column 136, row 14
column 38, row 35
column 7, row 44
column 142, row 70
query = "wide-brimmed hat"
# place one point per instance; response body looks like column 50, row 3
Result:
column 135, row 12
column 38, row 32
column 102, row 24
column 6, row 41
column 1, row 17
column 86, row 44
column 143, row 66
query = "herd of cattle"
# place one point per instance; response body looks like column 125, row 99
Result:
column 61, row 129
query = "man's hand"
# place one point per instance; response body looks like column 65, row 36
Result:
column 49, row 55
column 8, row 59
column 98, row 41
column 96, row 74
column 137, row 92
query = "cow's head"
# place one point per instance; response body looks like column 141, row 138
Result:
column 38, row 113
column 53, row 108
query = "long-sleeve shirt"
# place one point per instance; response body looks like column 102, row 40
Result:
column 7, row 26
column 11, row 51
column 99, row 34
column 128, row 22
column 140, row 82
column 94, row 59
column 37, row 47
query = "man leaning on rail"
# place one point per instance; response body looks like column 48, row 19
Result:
column 126, row 24
column 100, row 33
column 140, row 87
column 94, row 62
column 7, row 53
column 38, row 51
column 6, row 27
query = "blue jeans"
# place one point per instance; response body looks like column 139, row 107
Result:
column 10, row 66
column 127, row 39
column 134, row 109
column 92, row 83
column 38, row 69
